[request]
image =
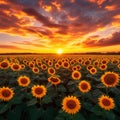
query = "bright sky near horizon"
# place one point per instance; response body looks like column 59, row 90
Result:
column 50, row 26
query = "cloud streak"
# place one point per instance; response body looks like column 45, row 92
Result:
column 110, row 41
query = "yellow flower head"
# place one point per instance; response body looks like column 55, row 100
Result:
column 23, row 81
column 39, row 91
column 106, row 102
column 84, row 86
column 6, row 93
column 71, row 105
column 110, row 79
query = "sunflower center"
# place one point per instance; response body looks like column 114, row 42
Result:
column 54, row 80
column 36, row 70
column 110, row 79
column 84, row 86
column 103, row 66
column 93, row 70
column 71, row 104
column 38, row 90
column 4, row 64
column 87, row 62
column 31, row 65
column 60, row 63
column 44, row 66
column 89, row 67
column 96, row 63
column 65, row 64
column 6, row 93
column 51, row 71
column 106, row 102
column 76, row 75
column 24, row 81
column 16, row 67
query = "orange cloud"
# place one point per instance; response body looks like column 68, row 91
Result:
column 110, row 41
column 99, row 2
column 111, row 7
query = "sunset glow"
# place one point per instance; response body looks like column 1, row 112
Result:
column 59, row 51
column 41, row 26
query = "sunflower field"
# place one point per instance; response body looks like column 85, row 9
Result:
column 59, row 87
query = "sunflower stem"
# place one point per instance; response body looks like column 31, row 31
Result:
column 106, row 91
column 39, row 100
column 72, row 117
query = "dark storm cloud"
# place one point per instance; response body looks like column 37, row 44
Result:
column 41, row 18
column 114, row 40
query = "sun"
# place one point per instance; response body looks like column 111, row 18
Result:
column 59, row 51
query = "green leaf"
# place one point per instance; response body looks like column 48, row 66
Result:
column 35, row 113
column 77, row 94
column 71, row 82
column 96, row 110
column 32, row 102
column 48, row 85
column 14, row 115
column 115, row 90
column 93, row 117
column 108, row 114
column 61, row 88
column 47, row 99
column 4, row 107
column 78, row 116
column 87, row 106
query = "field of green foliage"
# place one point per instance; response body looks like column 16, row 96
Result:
column 60, row 87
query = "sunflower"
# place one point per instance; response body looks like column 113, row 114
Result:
column 78, row 67
column 54, row 80
column 87, row 62
column 80, row 61
column 65, row 64
column 89, row 67
column 119, row 65
column 31, row 65
column 39, row 91
column 57, row 66
column 22, row 66
column 43, row 66
column 35, row 70
column 39, row 64
column 74, row 68
column 106, row 102
column 23, row 81
column 104, row 61
column 76, row 75
column 103, row 67
column 51, row 71
column 50, row 63
column 84, row 86
column 96, row 63
column 59, row 62
column 15, row 67
column 4, row 64
column 93, row 70
column 110, row 79
column 71, row 105
column 6, row 93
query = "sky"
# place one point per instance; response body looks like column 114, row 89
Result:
column 47, row 26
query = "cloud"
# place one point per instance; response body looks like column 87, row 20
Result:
column 11, row 47
column 60, row 22
column 41, row 18
column 110, row 41
column 32, row 43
